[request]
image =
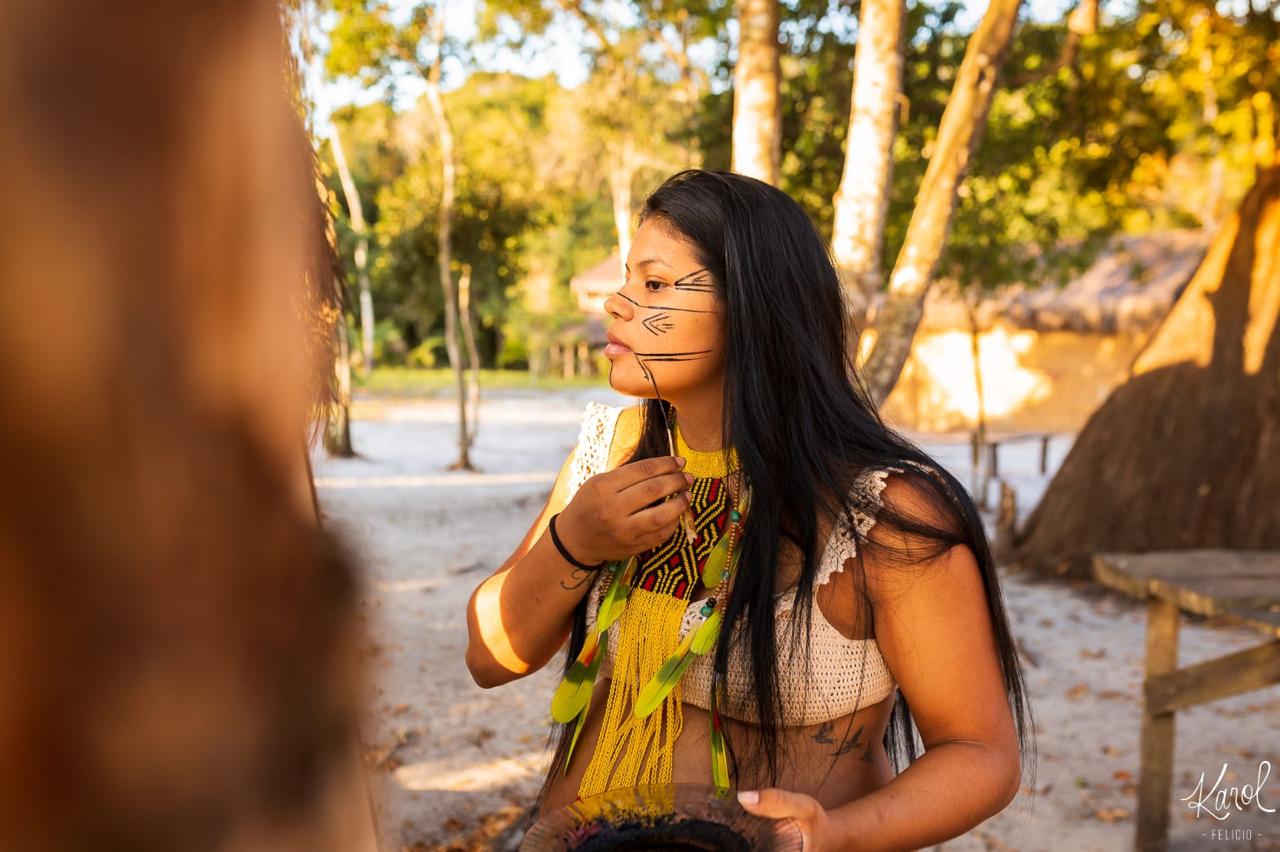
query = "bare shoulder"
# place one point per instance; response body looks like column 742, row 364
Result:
column 913, row 536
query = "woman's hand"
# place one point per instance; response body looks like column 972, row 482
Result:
column 613, row 514
column 815, row 823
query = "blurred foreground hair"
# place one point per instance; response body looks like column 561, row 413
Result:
column 177, row 635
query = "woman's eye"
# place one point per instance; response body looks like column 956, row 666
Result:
column 653, row 286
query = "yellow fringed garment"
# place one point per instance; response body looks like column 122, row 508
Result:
column 632, row 751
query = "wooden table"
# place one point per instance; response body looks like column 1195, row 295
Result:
column 1242, row 587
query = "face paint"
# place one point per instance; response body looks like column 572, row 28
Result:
column 658, row 323
column 696, row 282
column 668, row 320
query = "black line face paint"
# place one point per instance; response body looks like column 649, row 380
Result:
column 674, row 324
column 698, row 281
column 658, row 323
column 665, row 354
column 662, row 307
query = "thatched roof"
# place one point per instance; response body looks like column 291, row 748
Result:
column 1130, row 288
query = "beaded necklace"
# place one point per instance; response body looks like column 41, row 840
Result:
column 649, row 595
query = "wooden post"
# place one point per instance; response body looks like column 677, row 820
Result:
column 1155, row 775
column 1044, row 454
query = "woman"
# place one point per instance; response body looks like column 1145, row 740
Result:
column 861, row 589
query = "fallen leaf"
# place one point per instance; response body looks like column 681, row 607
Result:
column 1111, row 814
column 1090, row 654
column 1080, row 690
column 1122, row 775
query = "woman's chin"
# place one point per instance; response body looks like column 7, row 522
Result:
column 621, row 380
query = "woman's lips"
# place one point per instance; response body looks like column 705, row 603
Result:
column 612, row 348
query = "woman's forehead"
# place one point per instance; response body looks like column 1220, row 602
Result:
column 658, row 247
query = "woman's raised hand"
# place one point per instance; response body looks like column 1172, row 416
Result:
column 625, row 510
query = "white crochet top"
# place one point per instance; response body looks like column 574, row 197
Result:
column 844, row 674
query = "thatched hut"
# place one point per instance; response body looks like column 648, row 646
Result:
column 1049, row 355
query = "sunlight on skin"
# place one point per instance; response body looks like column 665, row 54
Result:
column 492, row 631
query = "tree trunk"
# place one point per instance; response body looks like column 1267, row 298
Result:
column 861, row 204
column 981, row 467
column 473, row 353
column 337, row 408
column 337, row 433
column 361, row 229
column 444, row 222
column 959, row 132
column 622, row 172
column 757, row 106
column 1185, row 454
column 1212, row 199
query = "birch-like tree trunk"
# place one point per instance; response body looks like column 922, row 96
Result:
column 959, row 132
column 444, row 222
column 757, row 106
column 337, row 427
column 361, row 229
column 337, row 433
column 473, row 352
column 861, row 204
column 622, row 171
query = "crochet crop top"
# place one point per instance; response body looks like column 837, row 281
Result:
column 844, row 674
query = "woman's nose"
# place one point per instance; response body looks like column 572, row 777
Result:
column 617, row 307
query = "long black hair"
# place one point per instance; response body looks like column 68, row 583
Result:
column 804, row 428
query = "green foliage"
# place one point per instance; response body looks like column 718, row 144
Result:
column 1158, row 122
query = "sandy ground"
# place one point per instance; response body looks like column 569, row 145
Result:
column 451, row 760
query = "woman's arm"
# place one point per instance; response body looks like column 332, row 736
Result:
column 521, row 616
column 518, row 620
column 934, row 630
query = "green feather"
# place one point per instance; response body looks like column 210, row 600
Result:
column 661, row 684
column 615, row 599
column 582, row 714
column 575, row 689
column 713, row 569
column 719, row 756
column 582, row 718
column 704, row 638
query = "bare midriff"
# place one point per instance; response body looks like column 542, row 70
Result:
column 834, row 762
column 819, row 760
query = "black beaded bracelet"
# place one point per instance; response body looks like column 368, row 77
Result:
column 555, row 537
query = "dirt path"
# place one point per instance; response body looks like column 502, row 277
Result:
column 449, row 754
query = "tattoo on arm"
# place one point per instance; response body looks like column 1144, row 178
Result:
column 580, row 577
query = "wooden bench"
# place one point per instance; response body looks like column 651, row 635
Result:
column 1242, row 587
